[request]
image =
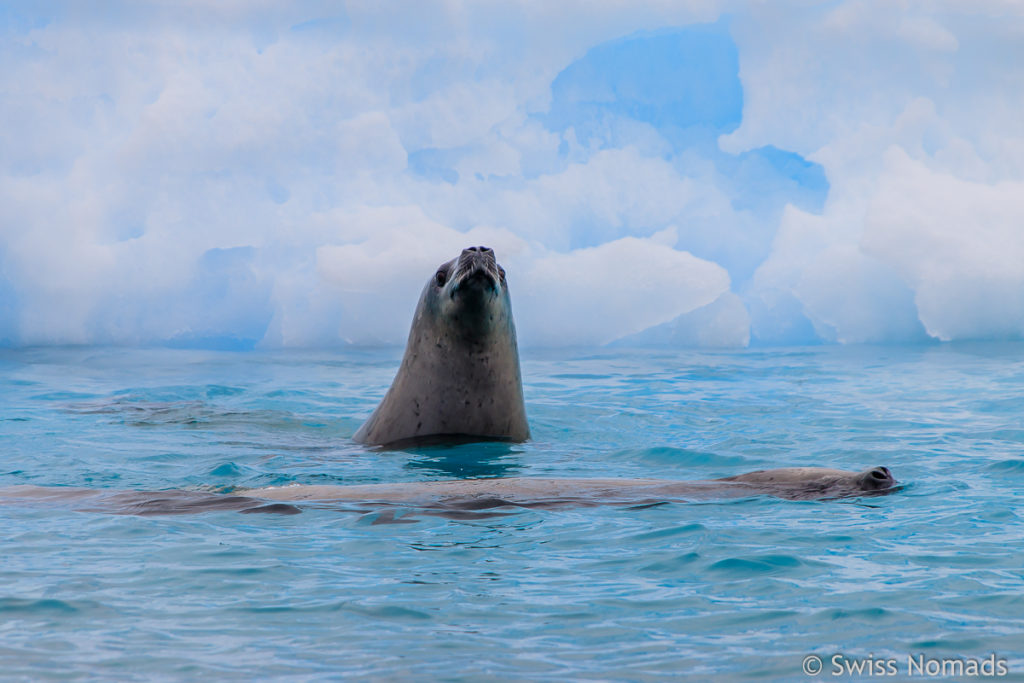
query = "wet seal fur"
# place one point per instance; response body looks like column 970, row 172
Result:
column 467, row 498
column 790, row 483
column 459, row 379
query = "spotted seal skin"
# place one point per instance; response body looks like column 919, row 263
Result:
column 459, row 379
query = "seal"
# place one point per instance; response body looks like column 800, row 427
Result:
column 457, row 496
column 459, row 379
column 791, row 483
column 807, row 483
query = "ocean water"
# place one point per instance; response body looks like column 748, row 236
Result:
column 734, row 590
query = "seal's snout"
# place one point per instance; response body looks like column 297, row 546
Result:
column 477, row 258
column 877, row 478
column 478, row 268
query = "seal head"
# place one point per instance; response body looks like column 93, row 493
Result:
column 459, row 379
column 807, row 483
column 468, row 293
column 876, row 480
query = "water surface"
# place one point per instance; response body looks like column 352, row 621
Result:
column 735, row 590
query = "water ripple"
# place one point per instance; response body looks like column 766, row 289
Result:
column 738, row 590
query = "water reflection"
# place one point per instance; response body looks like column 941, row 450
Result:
column 466, row 460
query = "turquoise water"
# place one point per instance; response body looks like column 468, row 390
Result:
column 738, row 590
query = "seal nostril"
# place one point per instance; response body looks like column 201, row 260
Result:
column 882, row 477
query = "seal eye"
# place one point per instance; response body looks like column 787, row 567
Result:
column 441, row 277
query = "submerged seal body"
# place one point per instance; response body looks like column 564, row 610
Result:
column 791, row 483
column 455, row 497
column 460, row 374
